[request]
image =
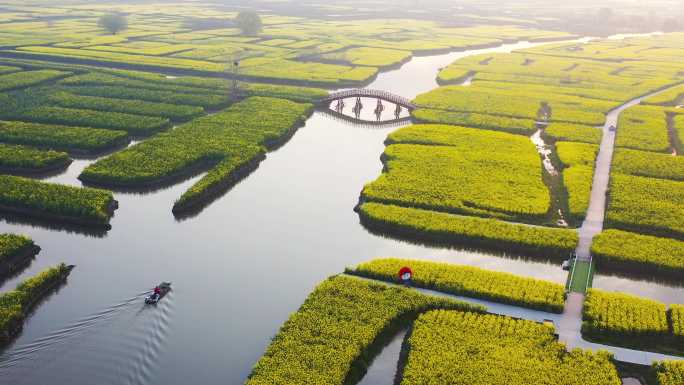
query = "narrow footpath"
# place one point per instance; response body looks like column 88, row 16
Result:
column 570, row 323
column 569, row 330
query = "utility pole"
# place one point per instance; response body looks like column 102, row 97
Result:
column 234, row 67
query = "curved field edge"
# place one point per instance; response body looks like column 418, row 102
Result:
column 15, row 252
column 56, row 202
column 459, row 231
column 470, row 281
column 339, row 329
column 16, row 304
column 230, row 143
column 233, row 169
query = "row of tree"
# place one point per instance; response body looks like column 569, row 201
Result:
column 248, row 22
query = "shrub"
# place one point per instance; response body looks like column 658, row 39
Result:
column 297, row 94
column 462, row 170
column 369, row 56
column 133, row 124
column 331, row 337
column 149, row 81
column 646, row 205
column 457, row 348
column 27, row 159
column 460, row 230
column 12, row 244
column 669, row 372
column 670, row 97
column 677, row 321
column 624, row 319
column 55, row 201
column 83, row 139
column 649, row 164
column 236, row 135
column 573, row 133
column 15, row 304
column 471, row 282
column 636, row 253
column 578, row 160
column 24, row 79
column 643, row 128
column 471, row 119
column 171, row 111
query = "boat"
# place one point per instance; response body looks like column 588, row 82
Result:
column 164, row 288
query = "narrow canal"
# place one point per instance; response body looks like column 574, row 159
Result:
column 239, row 268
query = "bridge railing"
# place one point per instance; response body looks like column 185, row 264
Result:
column 365, row 92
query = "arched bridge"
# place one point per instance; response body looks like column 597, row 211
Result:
column 368, row 93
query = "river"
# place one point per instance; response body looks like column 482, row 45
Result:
column 239, row 268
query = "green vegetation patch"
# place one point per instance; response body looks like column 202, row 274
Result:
column 79, row 139
column 643, row 128
column 578, row 172
column 470, row 119
column 573, row 133
column 24, row 79
column 457, row 348
column 626, row 320
column 669, row 372
column 637, row 253
column 677, row 321
column 462, row 170
column 671, row 97
column 470, row 282
column 450, row 229
column 649, row 164
column 369, row 56
column 161, row 96
column 516, row 101
column 14, row 158
column 55, row 201
column 12, row 244
column 332, row 338
column 131, row 106
column 294, row 93
column 646, row 205
column 237, row 135
column 15, row 304
column 133, row 124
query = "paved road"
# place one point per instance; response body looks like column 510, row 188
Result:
column 593, row 223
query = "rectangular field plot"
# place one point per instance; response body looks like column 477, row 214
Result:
column 646, row 205
column 330, row 338
column 470, row 282
column 451, row 347
column 462, row 170
column 636, row 253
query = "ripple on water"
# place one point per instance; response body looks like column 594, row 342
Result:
column 120, row 344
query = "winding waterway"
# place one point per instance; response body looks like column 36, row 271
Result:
column 239, row 268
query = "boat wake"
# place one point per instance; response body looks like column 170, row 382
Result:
column 117, row 345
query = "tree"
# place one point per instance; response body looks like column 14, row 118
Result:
column 248, row 22
column 113, row 22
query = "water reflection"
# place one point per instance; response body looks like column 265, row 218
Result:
column 659, row 290
column 380, row 112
